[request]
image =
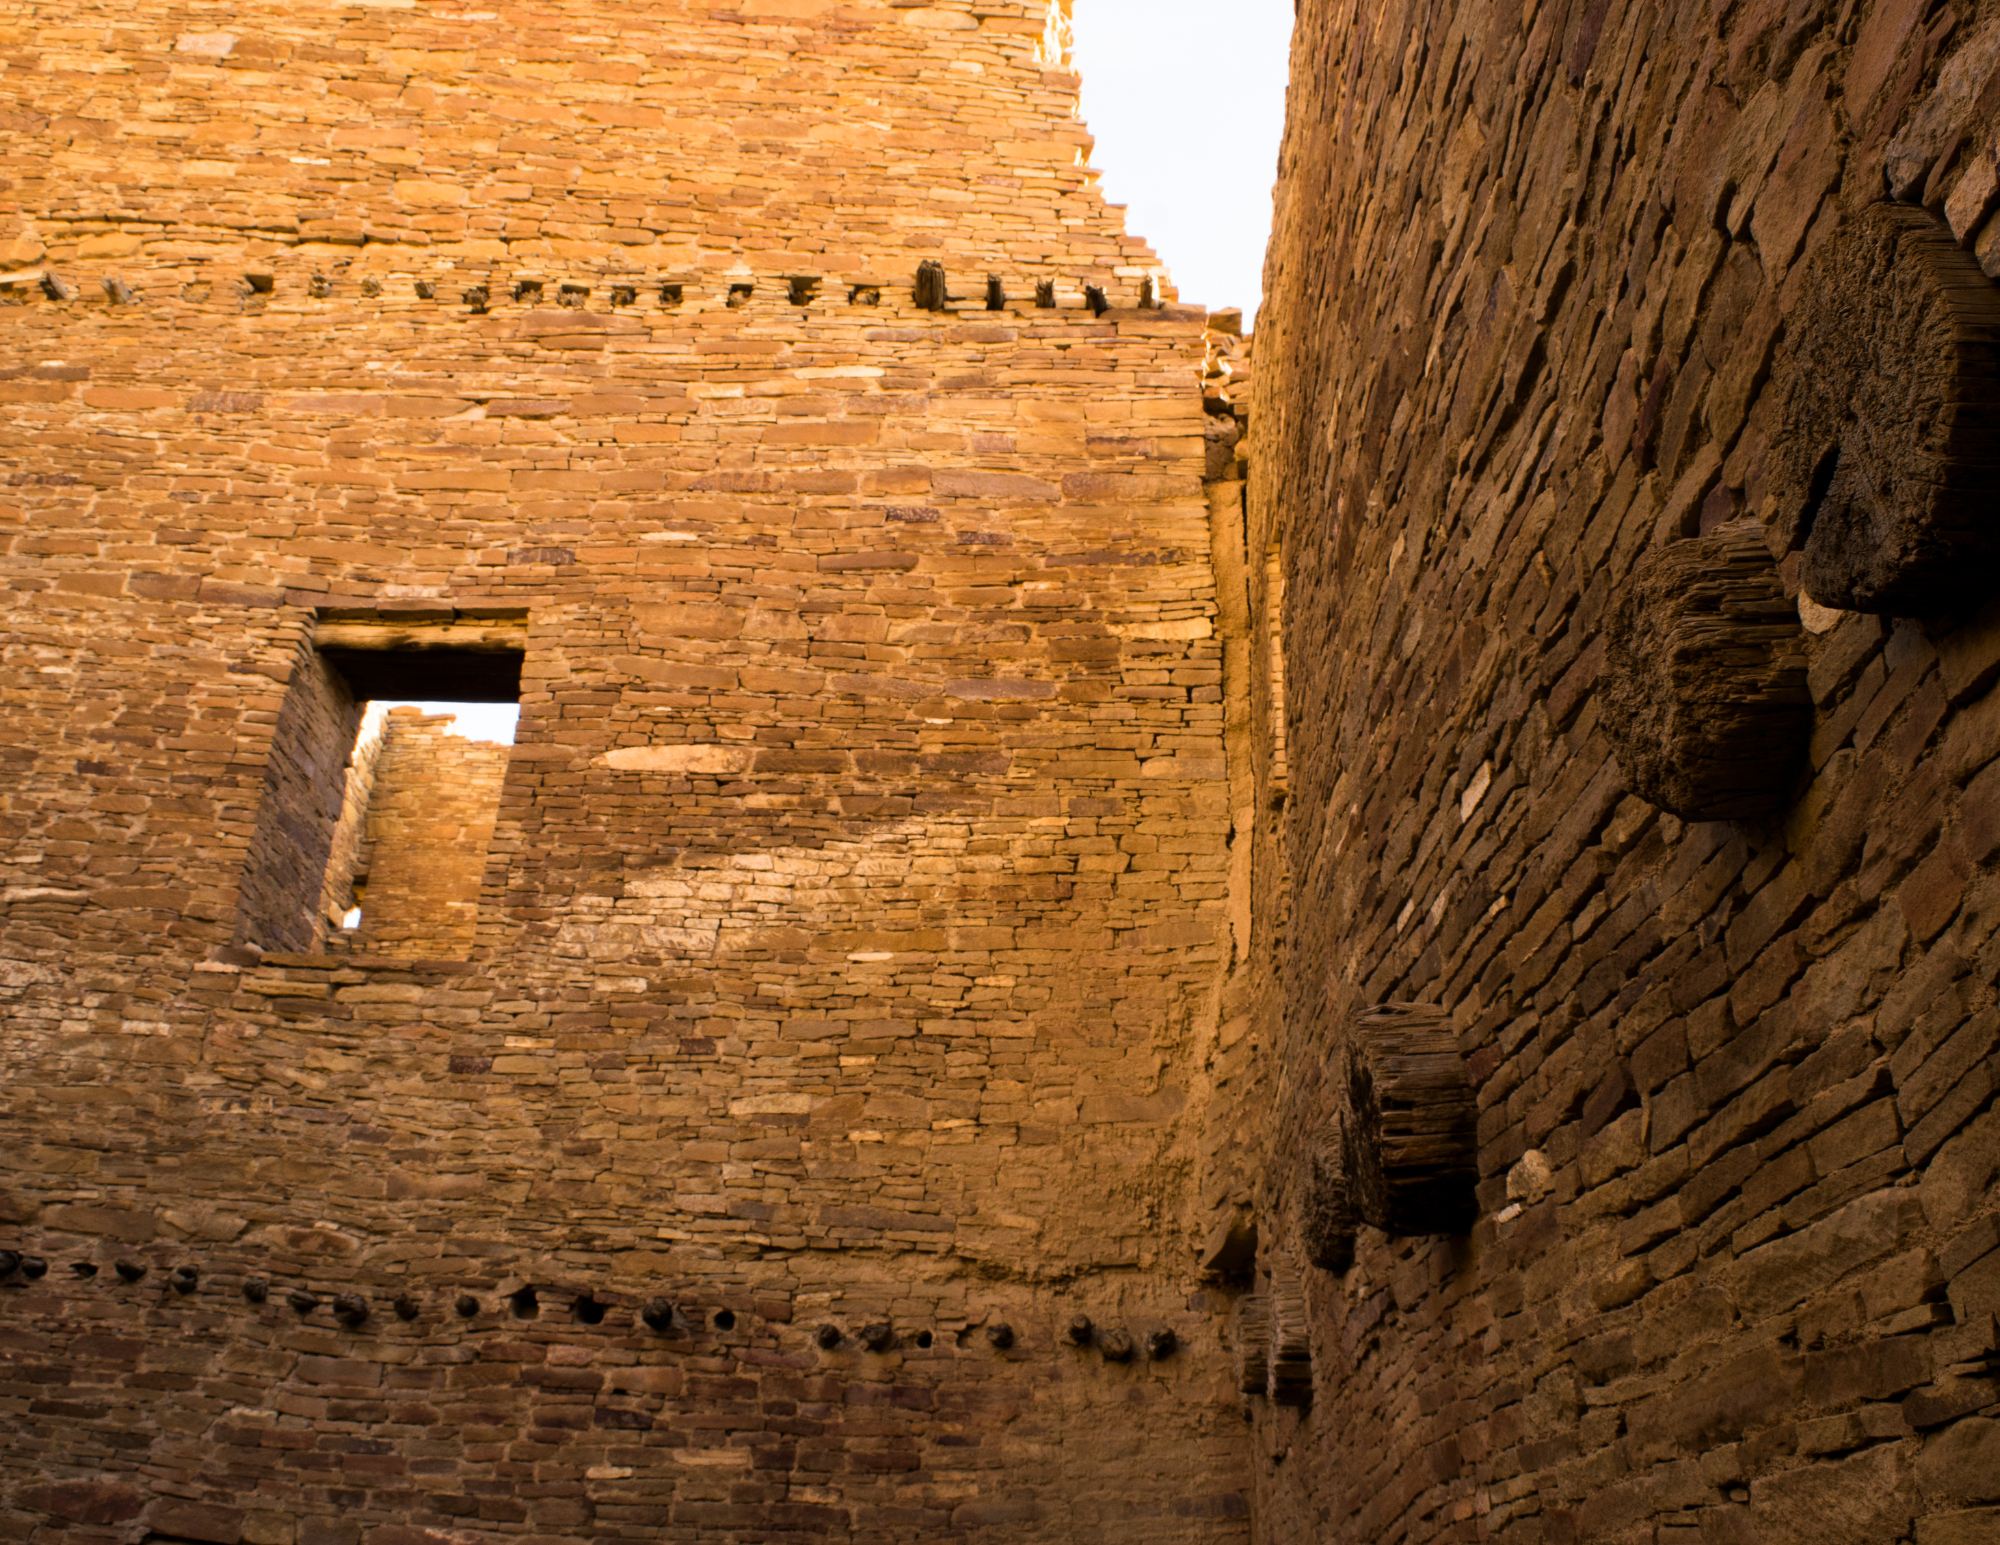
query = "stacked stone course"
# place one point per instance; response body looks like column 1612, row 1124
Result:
column 994, row 771
column 1533, row 292
column 849, row 943
column 430, row 809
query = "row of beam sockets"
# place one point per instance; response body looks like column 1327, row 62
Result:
column 930, row 291
column 661, row 1315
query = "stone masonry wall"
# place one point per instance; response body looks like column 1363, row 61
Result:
column 350, row 834
column 1734, row 1273
column 430, row 825
column 299, row 809
column 853, row 940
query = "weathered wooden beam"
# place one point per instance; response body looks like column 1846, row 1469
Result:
column 1250, row 1343
column 1411, row 1127
column 503, row 636
column 1886, row 453
column 1703, row 693
column 1290, row 1375
column 1327, row 1219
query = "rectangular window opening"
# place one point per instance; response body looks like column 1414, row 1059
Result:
column 383, row 787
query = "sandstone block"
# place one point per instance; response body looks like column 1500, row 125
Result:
column 1787, row 1271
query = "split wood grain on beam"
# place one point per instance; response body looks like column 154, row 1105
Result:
column 1410, row 1131
column 1704, row 693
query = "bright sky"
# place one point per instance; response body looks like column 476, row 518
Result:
column 476, row 721
column 1187, row 101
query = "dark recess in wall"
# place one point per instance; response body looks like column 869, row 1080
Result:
column 429, row 675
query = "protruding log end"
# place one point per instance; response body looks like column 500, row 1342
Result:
column 1289, row 1376
column 930, row 290
column 1411, row 1128
column 1326, row 1213
column 1116, row 1345
column 1884, row 455
column 1703, row 692
column 1250, row 1343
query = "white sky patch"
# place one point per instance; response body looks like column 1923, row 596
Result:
column 476, row 721
column 1188, row 106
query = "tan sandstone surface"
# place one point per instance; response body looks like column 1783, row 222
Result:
column 848, row 946
column 1078, row 942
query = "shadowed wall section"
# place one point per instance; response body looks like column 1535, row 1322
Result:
column 299, row 810
column 1535, row 316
